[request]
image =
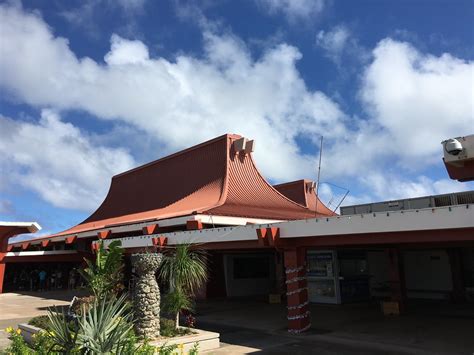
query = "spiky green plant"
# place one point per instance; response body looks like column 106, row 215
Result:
column 185, row 269
column 104, row 275
column 63, row 334
column 105, row 327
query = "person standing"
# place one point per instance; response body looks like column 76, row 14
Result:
column 42, row 279
column 59, row 279
column 72, row 279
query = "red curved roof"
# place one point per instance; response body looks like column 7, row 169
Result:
column 302, row 192
column 210, row 178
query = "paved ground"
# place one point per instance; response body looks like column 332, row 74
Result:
column 350, row 329
column 19, row 308
column 249, row 326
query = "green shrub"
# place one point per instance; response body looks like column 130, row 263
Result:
column 167, row 349
column 168, row 328
column 40, row 322
column 104, row 276
column 18, row 345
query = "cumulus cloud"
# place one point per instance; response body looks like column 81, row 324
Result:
column 333, row 41
column 412, row 101
column 126, row 52
column 418, row 99
column 293, row 9
column 179, row 102
column 58, row 161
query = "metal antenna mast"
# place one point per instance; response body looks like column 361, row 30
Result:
column 319, row 174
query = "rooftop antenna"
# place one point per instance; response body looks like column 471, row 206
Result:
column 319, row 174
column 342, row 200
column 343, row 197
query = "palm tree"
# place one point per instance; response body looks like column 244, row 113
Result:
column 185, row 269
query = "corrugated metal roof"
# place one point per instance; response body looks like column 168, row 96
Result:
column 210, row 178
column 302, row 192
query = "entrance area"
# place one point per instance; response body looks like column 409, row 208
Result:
column 41, row 276
column 355, row 275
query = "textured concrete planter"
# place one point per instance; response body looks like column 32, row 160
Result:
column 27, row 332
column 146, row 296
column 207, row 341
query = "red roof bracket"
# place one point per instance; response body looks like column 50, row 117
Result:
column 160, row 242
column 262, row 237
column 104, row 234
column 71, row 239
column 25, row 246
column 45, row 243
column 95, row 246
column 273, row 236
column 9, row 248
column 150, row 229
column 193, row 224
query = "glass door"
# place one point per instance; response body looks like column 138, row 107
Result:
column 323, row 283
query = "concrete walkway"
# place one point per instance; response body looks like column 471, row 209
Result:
column 261, row 327
column 21, row 307
column 250, row 326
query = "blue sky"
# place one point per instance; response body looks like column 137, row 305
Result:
column 92, row 88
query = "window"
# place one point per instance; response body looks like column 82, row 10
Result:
column 251, row 267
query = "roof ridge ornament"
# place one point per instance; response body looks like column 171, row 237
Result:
column 244, row 145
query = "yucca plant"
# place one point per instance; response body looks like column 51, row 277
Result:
column 62, row 332
column 185, row 269
column 104, row 275
column 105, row 327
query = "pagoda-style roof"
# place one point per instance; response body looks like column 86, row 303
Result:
column 303, row 192
column 217, row 177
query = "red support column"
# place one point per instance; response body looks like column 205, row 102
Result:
column 3, row 252
column 299, row 317
column 397, row 278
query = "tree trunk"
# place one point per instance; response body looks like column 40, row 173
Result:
column 177, row 320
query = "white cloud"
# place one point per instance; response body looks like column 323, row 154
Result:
column 333, row 41
column 190, row 99
column 181, row 102
column 418, row 99
column 86, row 14
column 293, row 9
column 126, row 52
column 394, row 187
column 58, row 161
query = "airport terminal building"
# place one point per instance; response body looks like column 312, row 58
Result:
column 279, row 242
